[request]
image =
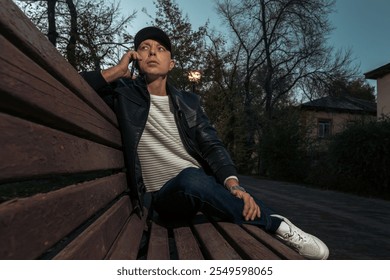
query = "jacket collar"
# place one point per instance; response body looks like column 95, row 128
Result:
column 182, row 102
column 141, row 82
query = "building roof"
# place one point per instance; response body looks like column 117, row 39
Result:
column 378, row 72
column 342, row 104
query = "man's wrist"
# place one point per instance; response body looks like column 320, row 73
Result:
column 231, row 184
column 231, row 181
column 236, row 187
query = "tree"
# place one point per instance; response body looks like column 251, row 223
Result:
column 283, row 149
column 359, row 159
column 52, row 33
column 357, row 88
column 225, row 103
column 188, row 45
column 339, row 85
column 102, row 36
column 87, row 33
column 71, row 46
column 283, row 44
column 280, row 51
column 360, row 89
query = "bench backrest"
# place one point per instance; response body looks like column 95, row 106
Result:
column 62, row 188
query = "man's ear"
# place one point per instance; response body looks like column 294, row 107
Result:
column 171, row 64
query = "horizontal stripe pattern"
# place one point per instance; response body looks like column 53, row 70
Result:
column 161, row 151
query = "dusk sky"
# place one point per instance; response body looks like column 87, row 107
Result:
column 362, row 25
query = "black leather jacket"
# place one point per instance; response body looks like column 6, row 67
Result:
column 131, row 102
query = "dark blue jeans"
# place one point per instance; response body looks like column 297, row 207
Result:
column 192, row 190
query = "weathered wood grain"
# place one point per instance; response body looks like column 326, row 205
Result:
column 29, row 226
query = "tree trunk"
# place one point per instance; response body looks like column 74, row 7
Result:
column 52, row 32
column 71, row 47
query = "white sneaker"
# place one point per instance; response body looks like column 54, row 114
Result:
column 305, row 244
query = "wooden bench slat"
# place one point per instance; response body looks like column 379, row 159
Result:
column 158, row 248
column 247, row 244
column 96, row 240
column 127, row 245
column 29, row 226
column 38, row 150
column 186, row 244
column 40, row 97
column 15, row 26
column 283, row 250
column 216, row 247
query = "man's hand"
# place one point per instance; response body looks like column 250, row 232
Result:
column 251, row 209
column 121, row 70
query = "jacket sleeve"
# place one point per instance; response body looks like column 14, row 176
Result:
column 105, row 90
column 94, row 79
column 212, row 149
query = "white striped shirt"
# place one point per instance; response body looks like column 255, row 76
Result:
column 161, row 151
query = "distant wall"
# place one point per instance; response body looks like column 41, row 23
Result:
column 383, row 99
column 338, row 120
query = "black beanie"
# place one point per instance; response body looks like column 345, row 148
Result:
column 154, row 33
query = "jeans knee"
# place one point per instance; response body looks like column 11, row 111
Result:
column 190, row 179
column 190, row 173
column 191, row 184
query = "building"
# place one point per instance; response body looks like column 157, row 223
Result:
column 382, row 77
column 330, row 115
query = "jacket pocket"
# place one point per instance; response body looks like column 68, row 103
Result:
column 193, row 119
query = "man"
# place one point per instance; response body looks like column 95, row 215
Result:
column 173, row 152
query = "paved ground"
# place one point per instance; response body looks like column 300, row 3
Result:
column 354, row 228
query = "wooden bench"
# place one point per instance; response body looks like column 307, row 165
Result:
column 63, row 191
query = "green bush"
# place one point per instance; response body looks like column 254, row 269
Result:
column 283, row 148
column 359, row 159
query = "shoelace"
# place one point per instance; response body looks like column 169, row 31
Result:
column 295, row 239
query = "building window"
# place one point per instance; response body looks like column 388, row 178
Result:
column 324, row 128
